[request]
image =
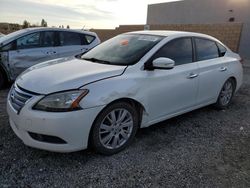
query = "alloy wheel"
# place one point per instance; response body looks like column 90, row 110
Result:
column 226, row 93
column 116, row 128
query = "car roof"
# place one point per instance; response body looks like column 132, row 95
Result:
column 58, row 29
column 168, row 33
column 12, row 36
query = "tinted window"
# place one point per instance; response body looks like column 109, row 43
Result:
column 179, row 50
column 10, row 46
column 89, row 38
column 13, row 35
column 222, row 49
column 48, row 39
column 206, row 49
column 29, row 41
column 126, row 49
column 84, row 40
column 69, row 38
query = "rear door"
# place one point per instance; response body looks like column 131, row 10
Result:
column 32, row 49
column 72, row 43
column 212, row 69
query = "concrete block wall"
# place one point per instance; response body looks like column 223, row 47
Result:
column 228, row 33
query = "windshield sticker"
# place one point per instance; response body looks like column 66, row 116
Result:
column 124, row 42
column 148, row 38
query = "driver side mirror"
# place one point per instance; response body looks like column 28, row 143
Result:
column 163, row 63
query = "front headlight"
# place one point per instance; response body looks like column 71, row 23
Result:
column 61, row 102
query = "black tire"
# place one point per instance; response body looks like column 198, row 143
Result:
column 2, row 80
column 96, row 140
column 220, row 104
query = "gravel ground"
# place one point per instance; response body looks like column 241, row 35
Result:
column 204, row 148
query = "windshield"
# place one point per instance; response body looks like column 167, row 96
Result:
column 125, row 49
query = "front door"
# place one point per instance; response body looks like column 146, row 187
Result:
column 175, row 90
column 32, row 49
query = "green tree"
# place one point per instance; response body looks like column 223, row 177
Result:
column 44, row 23
column 26, row 24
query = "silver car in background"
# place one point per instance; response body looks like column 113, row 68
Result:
column 25, row 48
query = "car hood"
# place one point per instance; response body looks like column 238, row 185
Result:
column 65, row 74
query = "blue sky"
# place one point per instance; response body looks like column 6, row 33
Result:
column 77, row 13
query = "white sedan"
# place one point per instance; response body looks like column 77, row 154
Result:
column 129, row 82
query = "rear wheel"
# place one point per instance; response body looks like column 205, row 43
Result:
column 114, row 128
column 226, row 94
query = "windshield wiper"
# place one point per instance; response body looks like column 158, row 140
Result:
column 97, row 60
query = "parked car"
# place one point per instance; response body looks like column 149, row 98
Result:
column 129, row 82
column 1, row 35
column 25, row 48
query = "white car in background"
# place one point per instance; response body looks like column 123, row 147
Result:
column 1, row 35
column 131, row 81
column 24, row 48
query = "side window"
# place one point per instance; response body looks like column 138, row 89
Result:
column 179, row 50
column 69, row 38
column 222, row 49
column 84, row 40
column 10, row 46
column 89, row 38
column 29, row 41
column 48, row 39
column 206, row 49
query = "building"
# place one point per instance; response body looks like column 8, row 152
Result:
column 205, row 12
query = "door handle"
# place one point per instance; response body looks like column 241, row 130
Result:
column 222, row 69
column 51, row 52
column 192, row 75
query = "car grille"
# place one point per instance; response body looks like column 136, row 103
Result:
column 18, row 97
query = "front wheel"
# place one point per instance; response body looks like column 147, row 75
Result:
column 114, row 128
column 226, row 94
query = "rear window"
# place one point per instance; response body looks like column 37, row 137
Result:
column 206, row 49
column 48, row 39
column 69, row 38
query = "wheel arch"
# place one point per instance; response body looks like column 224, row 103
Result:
column 235, row 81
column 235, row 84
column 136, row 104
column 139, row 108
